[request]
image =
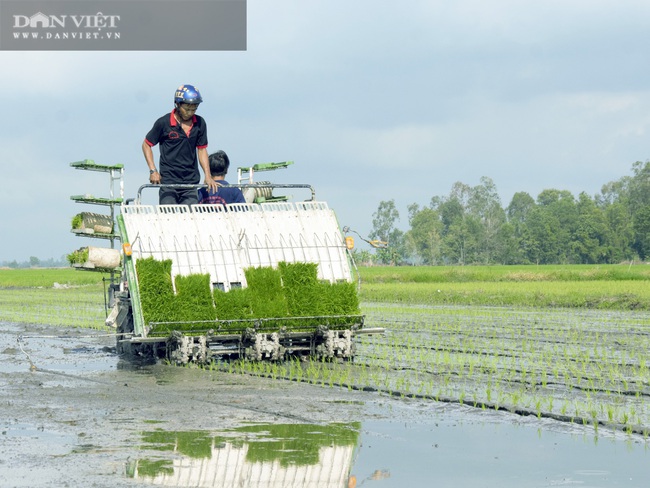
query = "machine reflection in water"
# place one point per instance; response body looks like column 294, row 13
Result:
column 274, row 455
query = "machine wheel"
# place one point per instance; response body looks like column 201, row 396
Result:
column 183, row 349
column 125, row 328
column 124, row 323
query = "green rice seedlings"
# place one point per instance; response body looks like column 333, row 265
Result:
column 156, row 289
column 80, row 256
column 306, row 296
column 300, row 282
column 564, row 408
column 193, row 300
column 266, row 293
column 77, row 221
column 233, row 305
column 265, row 297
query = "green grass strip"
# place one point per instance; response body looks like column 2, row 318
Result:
column 517, row 274
column 615, row 295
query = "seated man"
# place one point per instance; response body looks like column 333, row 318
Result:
column 219, row 164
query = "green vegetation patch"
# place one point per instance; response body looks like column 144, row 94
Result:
column 77, row 221
column 156, row 290
column 514, row 274
column 194, row 444
column 266, row 292
column 233, row 305
column 307, row 296
column 300, row 282
column 80, row 256
column 292, row 290
column 286, row 444
column 47, row 277
column 293, row 444
column 66, row 306
column 148, row 468
column 614, row 295
column 339, row 298
column 193, row 300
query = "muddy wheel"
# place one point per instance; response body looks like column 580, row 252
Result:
column 183, row 349
column 125, row 329
column 334, row 344
column 124, row 324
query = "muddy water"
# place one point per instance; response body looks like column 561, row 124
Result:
column 74, row 414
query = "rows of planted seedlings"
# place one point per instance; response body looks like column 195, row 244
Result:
column 589, row 368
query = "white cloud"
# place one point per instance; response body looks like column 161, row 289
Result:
column 604, row 103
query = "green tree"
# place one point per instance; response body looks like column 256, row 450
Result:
column 508, row 250
column 614, row 192
column 425, row 237
column 456, row 231
column 542, row 227
column 639, row 207
column 614, row 202
column 624, row 203
column 518, row 213
column 561, row 214
column 383, row 220
column 639, row 185
column 620, row 235
column 485, row 206
column 641, row 226
column 460, row 243
column 589, row 240
column 362, row 257
column 519, row 209
column 383, row 229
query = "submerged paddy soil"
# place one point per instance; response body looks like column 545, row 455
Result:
column 74, row 414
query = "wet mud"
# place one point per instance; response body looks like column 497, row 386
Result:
column 75, row 414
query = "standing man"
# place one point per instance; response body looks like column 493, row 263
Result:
column 182, row 136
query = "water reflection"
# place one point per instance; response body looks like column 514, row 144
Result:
column 465, row 449
column 275, row 455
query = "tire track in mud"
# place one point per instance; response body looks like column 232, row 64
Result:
column 163, row 397
column 166, row 397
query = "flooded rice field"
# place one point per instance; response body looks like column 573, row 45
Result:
column 448, row 398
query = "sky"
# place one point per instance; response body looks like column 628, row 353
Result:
column 373, row 100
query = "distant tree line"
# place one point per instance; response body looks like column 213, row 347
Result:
column 34, row 262
column 470, row 226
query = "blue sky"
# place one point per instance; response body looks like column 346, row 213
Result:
column 373, row 100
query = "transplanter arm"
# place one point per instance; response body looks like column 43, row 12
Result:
column 377, row 244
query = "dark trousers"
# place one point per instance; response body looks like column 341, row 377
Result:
column 178, row 196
